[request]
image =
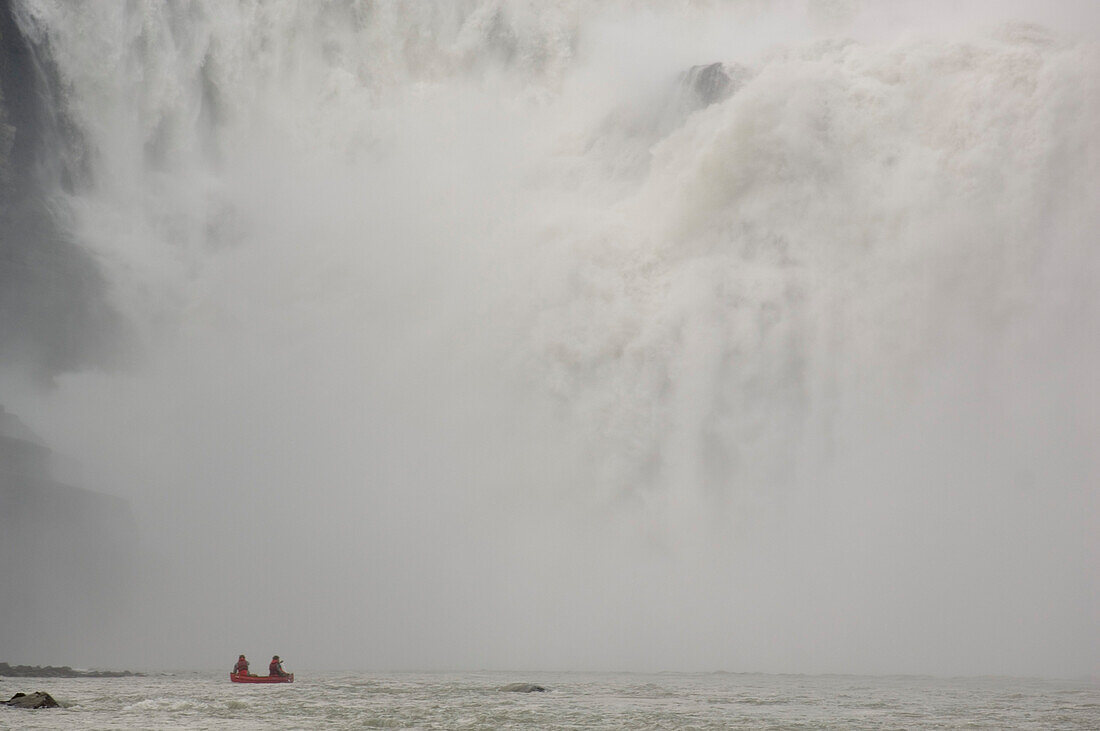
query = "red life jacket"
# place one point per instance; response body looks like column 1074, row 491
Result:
column 274, row 668
column 241, row 668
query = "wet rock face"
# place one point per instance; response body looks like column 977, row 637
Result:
column 709, row 83
column 523, row 688
column 54, row 313
column 712, row 83
column 34, row 700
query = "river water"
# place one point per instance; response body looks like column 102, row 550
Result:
column 573, row 700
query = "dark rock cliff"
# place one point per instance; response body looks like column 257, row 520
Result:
column 66, row 553
column 54, row 314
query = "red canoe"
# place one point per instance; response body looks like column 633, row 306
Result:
column 237, row 678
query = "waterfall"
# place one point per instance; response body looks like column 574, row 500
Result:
column 705, row 308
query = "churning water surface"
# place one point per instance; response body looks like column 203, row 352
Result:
column 573, row 700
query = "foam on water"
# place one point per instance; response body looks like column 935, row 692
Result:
column 597, row 701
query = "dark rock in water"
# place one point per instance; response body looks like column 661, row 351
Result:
column 34, row 700
column 64, row 671
column 523, row 688
column 712, row 83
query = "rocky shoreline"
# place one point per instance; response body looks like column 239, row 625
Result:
column 50, row 671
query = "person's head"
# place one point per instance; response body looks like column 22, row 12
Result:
column 241, row 657
column 276, row 657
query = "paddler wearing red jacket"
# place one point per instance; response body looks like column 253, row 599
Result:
column 276, row 667
column 241, row 668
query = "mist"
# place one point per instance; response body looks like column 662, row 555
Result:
column 478, row 335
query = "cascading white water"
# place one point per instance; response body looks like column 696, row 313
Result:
column 509, row 341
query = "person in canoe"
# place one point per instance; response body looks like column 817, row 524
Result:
column 241, row 668
column 276, row 667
